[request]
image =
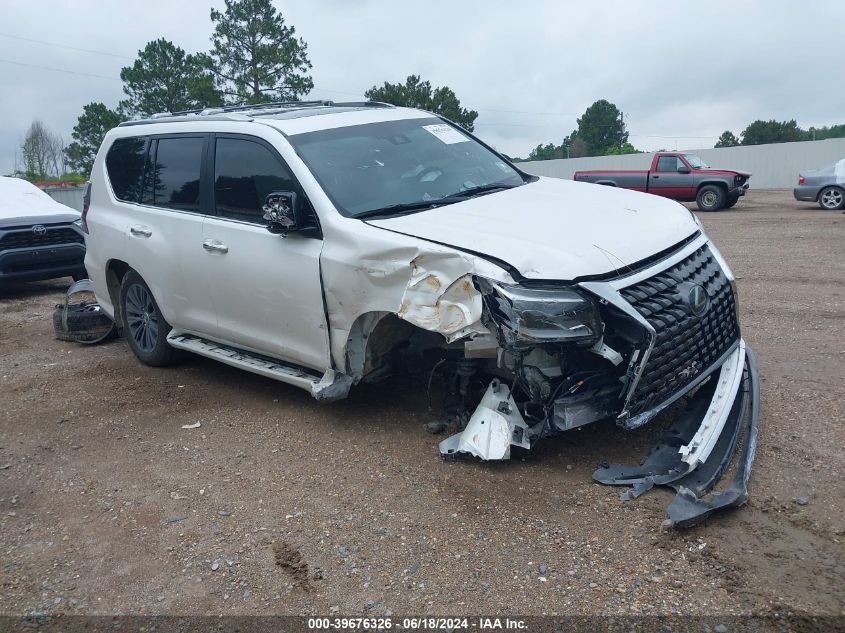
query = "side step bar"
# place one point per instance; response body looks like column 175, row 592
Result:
column 332, row 385
column 244, row 360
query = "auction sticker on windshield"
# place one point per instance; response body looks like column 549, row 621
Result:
column 446, row 133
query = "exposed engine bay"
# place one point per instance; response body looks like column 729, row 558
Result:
column 556, row 357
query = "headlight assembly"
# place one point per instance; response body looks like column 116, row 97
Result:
column 539, row 315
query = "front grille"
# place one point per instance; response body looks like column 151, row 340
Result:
column 686, row 345
column 25, row 238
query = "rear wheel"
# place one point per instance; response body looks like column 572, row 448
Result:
column 144, row 326
column 711, row 198
column 831, row 198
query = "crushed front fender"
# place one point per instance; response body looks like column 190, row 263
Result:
column 692, row 457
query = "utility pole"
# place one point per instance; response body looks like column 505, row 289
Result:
column 622, row 120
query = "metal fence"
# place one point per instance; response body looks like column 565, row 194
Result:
column 773, row 166
column 70, row 196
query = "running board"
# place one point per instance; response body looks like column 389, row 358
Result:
column 245, row 360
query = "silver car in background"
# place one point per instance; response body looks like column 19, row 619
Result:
column 825, row 186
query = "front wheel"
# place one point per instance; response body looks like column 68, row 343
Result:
column 831, row 198
column 710, row 198
column 144, row 326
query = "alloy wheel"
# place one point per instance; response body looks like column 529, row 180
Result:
column 142, row 318
column 832, row 198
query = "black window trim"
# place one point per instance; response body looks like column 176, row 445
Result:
column 149, row 141
column 210, row 170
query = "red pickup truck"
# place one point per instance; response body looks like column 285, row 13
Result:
column 679, row 176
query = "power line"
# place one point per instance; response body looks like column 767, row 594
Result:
column 58, row 70
column 342, row 92
column 330, row 90
column 67, row 46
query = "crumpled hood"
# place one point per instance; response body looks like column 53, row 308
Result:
column 23, row 203
column 555, row 229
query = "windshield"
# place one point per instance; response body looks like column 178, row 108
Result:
column 695, row 162
column 377, row 166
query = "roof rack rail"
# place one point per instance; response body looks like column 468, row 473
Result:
column 248, row 108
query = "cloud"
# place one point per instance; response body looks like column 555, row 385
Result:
column 688, row 70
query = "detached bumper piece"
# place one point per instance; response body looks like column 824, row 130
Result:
column 494, row 427
column 82, row 321
column 695, row 452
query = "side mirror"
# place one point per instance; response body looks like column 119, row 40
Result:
column 282, row 212
column 683, row 169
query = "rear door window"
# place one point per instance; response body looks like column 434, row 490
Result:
column 175, row 173
column 245, row 172
column 125, row 166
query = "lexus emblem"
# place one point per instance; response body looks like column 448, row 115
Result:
column 697, row 300
column 39, row 229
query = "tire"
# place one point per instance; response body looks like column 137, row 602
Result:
column 85, row 323
column 144, row 327
column 731, row 201
column 832, row 198
column 711, row 198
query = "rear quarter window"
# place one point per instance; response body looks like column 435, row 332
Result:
column 125, row 167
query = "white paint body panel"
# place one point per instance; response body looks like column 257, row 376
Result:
column 556, row 229
column 266, row 291
column 23, row 203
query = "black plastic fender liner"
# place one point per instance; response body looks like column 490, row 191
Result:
column 687, row 508
column 664, row 465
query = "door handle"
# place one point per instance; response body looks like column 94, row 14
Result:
column 140, row 231
column 655, row 177
column 215, row 246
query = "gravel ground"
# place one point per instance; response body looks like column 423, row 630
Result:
column 279, row 505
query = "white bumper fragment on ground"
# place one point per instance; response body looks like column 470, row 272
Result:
column 494, row 427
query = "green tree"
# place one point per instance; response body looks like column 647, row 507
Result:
column 255, row 57
column 727, row 139
column 96, row 119
column 419, row 94
column 761, row 132
column 821, row 133
column 165, row 78
column 550, row 151
column 601, row 128
column 625, row 148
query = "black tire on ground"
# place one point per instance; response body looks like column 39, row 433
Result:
column 711, row 198
column 732, row 200
column 85, row 323
column 144, row 327
column 832, row 198
column 78, row 276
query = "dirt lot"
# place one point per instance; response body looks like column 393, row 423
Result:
column 280, row 505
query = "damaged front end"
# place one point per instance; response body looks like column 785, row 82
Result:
column 566, row 355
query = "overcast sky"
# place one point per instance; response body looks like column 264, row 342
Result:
column 682, row 72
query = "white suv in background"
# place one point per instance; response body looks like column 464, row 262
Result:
column 326, row 244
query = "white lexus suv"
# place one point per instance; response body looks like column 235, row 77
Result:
column 324, row 244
